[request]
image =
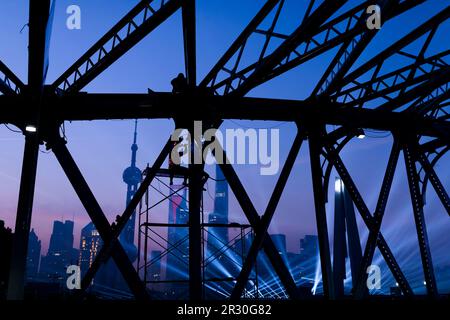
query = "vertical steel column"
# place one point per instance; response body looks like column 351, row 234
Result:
column 39, row 26
column 139, row 246
column 195, row 169
column 417, row 203
column 189, row 35
column 147, row 208
column 17, row 275
column 315, row 148
column 195, row 198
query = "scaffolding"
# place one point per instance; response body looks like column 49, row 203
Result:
column 216, row 253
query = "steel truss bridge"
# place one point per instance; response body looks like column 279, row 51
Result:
column 410, row 101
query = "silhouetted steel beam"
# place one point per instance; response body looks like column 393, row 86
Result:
column 439, row 78
column 190, row 43
column 360, row 288
column 410, row 156
column 396, row 81
column 339, row 147
column 96, row 107
column 40, row 25
column 300, row 35
column 334, row 38
column 398, row 46
column 315, row 150
column 420, row 57
column 431, row 103
column 348, row 53
column 438, row 82
column 195, row 216
column 438, row 154
column 368, row 219
column 17, row 271
column 87, row 198
column 254, row 219
column 328, row 36
column 433, row 145
column 130, row 30
column 239, row 44
column 434, row 179
column 87, row 107
column 261, row 231
column 9, row 82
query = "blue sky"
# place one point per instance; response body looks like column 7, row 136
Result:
column 102, row 149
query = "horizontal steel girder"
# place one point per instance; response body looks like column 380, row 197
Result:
column 86, row 107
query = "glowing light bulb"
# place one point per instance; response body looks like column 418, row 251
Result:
column 338, row 185
column 30, row 128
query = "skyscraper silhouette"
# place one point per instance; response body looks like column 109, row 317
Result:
column 6, row 236
column 90, row 244
column 279, row 240
column 220, row 213
column 34, row 255
column 132, row 176
column 346, row 238
column 219, row 265
column 155, row 268
column 309, row 253
column 178, row 258
column 109, row 274
column 60, row 253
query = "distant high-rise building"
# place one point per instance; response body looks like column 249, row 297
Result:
column 220, row 214
column 241, row 246
column 6, row 236
column 155, row 267
column 109, row 275
column 309, row 251
column 309, row 247
column 132, row 176
column 34, row 255
column 178, row 238
column 346, row 238
column 90, row 244
column 218, row 238
column 294, row 261
column 60, row 253
column 279, row 240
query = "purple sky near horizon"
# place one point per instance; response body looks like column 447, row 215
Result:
column 102, row 149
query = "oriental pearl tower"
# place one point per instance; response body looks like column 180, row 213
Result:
column 132, row 177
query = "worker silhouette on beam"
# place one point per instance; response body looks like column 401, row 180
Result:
column 179, row 84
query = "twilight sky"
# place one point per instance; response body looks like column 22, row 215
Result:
column 102, row 149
